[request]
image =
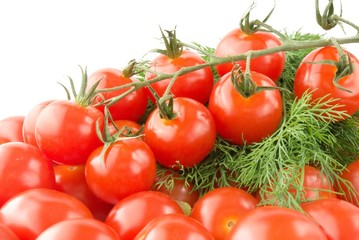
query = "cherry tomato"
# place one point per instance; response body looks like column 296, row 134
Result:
column 6, row 233
column 241, row 120
column 186, row 139
column 71, row 179
column 174, row 227
column 11, row 129
column 219, row 209
column 127, row 166
column 28, row 128
column 196, row 85
column 132, row 213
column 31, row 212
column 237, row 42
column 66, row 131
column 181, row 190
column 126, row 126
column 319, row 79
column 351, row 174
column 131, row 107
column 275, row 223
column 75, row 229
column 339, row 219
column 22, row 167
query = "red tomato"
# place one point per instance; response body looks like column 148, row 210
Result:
column 6, row 233
column 127, row 167
column 132, row 213
column 236, row 42
column 131, row 107
column 242, row 120
column 77, row 229
column 318, row 78
column 275, row 223
column 186, row 139
column 127, row 126
column 351, row 174
column 66, row 131
column 219, row 209
column 28, row 128
column 71, row 179
column 181, row 190
column 174, row 227
column 22, row 167
column 339, row 219
column 31, row 212
column 196, row 85
column 11, row 129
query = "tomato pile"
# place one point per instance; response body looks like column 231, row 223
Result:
column 235, row 142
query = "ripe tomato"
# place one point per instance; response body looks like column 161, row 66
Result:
column 71, row 179
column 22, row 167
column 66, row 131
column 174, row 227
column 131, row 107
column 318, row 78
column 219, row 209
column 132, row 213
column 31, row 212
column 128, row 127
column 275, row 223
column 351, row 173
column 196, row 85
column 181, row 190
column 242, row 120
column 339, row 219
column 186, row 139
column 237, row 42
column 75, row 229
column 127, row 166
column 11, row 129
column 6, row 233
column 28, row 128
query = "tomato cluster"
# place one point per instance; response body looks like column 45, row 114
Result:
column 88, row 168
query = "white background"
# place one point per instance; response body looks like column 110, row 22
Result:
column 44, row 41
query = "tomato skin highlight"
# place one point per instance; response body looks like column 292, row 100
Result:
column 66, row 131
column 236, row 42
column 275, row 223
column 174, row 227
column 11, row 129
column 23, row 167
column 187, row 139
column 6, row 233
column 241, row 120
column 127, row 167
column 219, row 209
column 196, row 85
column 318, row 78
column 131, row 214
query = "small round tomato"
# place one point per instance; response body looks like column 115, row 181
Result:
column 28, row 128
column 71, row 179
column 219, row 209
column 11, row 129
column 242, row 120
column 186, row 139
column 75, row 229
column 174, row 227
column 31, row 212
column 237, row 42
column 318, row 78
column 273, row 223
column 6, row 233
column 131, row 107
column 66, row 131
column 196, row 85
column 339, row 219
column 126, row 167
column 22, row 167
column 181, row 190
column 127, row 127
column 351, row 174
column 134, row 212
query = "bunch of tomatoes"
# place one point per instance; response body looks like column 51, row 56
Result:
column 86, row 168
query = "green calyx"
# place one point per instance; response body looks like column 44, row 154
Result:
column 326, row 20
column 173, row 47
